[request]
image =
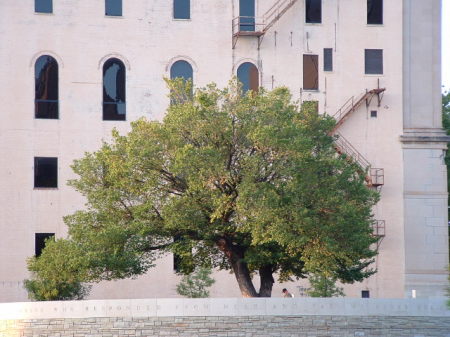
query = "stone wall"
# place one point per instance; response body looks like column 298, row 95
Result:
column 227, row 317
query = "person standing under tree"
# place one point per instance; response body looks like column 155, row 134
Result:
column 286, row 293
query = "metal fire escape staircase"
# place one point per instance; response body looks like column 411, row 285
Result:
column 374, row 176
column 254, row 26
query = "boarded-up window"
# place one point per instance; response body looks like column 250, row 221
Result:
column 113, row 7
column 374, row 12
column 247, row 15
column 248, row 75
column 310, row 72
column 373, row 61
column 43, row 6
column 182, row 9
column 328, row 59
column 313, row 11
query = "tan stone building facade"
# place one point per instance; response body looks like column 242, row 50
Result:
column 376, row 64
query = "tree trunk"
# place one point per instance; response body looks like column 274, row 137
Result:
column 243, row 278
column 236, row 258
column 267, row 281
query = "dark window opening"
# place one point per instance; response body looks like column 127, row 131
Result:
column 247, row 15
column 45, row 172
column 39, row 242
column 313, row 11
column 365, row 294
column 46, row 88
column 181, row 9
column 373, row 113
column 113, row 7
column 310, row 72
column 328, row 59
column 374, row 12
column 248, row 75
column 43, row 6
column 373, row 61
column 114, row 108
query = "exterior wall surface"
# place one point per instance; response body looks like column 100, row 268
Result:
column 424, row 145
column 228, row 317
column 414, row 252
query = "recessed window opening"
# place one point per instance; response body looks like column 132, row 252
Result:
column 46, row 88
column 39, row 242
column 328, row 59
column 374, row 12
column 373, row 113
column 313, row 11
column 373, row 61
column 45, row 172
column 248, row 75
column 365, row 294
column 43, row 6
column 181, row 9
column 247, row 15
column 114, row 108
column 181, row 69
column 310, row 72
column 113, row 7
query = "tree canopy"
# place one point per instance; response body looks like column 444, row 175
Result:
column 246, row 182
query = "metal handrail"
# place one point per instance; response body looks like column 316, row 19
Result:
column 276, row 11
column 236, row 23
column 346, row 147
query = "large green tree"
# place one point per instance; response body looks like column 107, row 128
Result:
column 246, row 182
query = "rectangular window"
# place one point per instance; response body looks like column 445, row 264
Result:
column 365, row 294
column 373, row 113
column 45, row 172
column 310, row 72
column 113, row 7
column 181, row 9
column 43, row 6
column 373, row 61
column 313, row 11
column 327, row 59
column 39, row 242
column 374, row 12
column 247, row 15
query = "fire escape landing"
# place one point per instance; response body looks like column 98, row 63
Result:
column 258, row 26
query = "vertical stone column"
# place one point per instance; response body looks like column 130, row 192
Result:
column 424, row 144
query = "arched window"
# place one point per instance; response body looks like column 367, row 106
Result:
column 46, row 88
column 181, row 69
column 114, row 90
column 248, row 75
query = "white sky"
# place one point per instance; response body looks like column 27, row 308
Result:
column 446, row 44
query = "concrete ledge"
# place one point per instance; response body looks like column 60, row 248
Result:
column 178, row 307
